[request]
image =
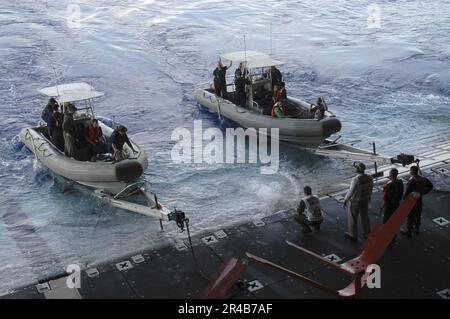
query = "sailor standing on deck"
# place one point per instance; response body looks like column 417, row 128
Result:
column 392, row 195
column 358, row 198
column 421, row 185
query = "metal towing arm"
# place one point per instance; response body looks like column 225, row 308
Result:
column 153, row 208
column 350, row 152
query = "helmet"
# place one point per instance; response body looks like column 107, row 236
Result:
column 360, row 167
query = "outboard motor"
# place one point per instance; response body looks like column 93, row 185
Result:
column 128, row 170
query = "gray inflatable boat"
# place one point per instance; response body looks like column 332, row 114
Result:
column 103, row 174
column 118, row 183
column 299, row 125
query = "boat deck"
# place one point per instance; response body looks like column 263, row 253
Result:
column 411, row 268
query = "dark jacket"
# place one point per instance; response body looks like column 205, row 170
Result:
column 46, row 113
column 57, row 131
column 276, row 76
column 118, row 140
column 69, row 124
column 240, row 83
column 393, row 192
column 220, row 75
column 51, row 123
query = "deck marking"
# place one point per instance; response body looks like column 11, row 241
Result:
column 333, row 257
column 124, row 265
column 180, row 246
column 254, row 285
column 138, row 259
column 220, row 234
column 92, row 272
column 42, row 288
column 209, row 240
column 259, row 223
column 444, row 294
column 441, row 221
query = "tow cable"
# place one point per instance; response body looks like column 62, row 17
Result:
column 180, row 219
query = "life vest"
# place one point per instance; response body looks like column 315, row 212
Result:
column 312, row 208
column 362, row 188
column 277, row 110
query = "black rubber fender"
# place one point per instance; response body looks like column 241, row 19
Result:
column 330, row 126
column 128, row 170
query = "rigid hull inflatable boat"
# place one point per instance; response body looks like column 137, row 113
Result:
column 117, row 182
column 107, row 175
column 299, row 124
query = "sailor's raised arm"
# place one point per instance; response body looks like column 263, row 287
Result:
column 127, row 140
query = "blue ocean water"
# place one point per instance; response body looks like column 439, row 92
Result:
column 388, row 85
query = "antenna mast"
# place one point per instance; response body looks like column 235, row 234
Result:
column 245, row 52
column 270, row 37
column 56, row 82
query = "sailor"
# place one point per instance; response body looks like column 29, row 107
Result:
column 309, row 212
column 392, row 195
column 276, row 95
column 51, row 121
column 358, row 197
column 242, row 69
column 55, row 129
column 94, row 138
column 48, row 109
column 57, row 136
column 69, row 130
column 275, row 75
column 319, row 108
column 421, row 185
column 239, row 84
column 118, row 139
column 219, row 79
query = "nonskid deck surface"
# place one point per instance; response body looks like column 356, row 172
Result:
column 412, row 268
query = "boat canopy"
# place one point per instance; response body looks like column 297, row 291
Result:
column 254, row 59
column 71, row 92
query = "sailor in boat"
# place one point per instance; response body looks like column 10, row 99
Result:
column 118, row 139
column 55, row 127
column 319, row 108
column 240, row 92
column 219, row 79
column 276, row 76
column 48, row 109
column 242, row 70
column 279, row 97
column 95, row 139
column 69, row 130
